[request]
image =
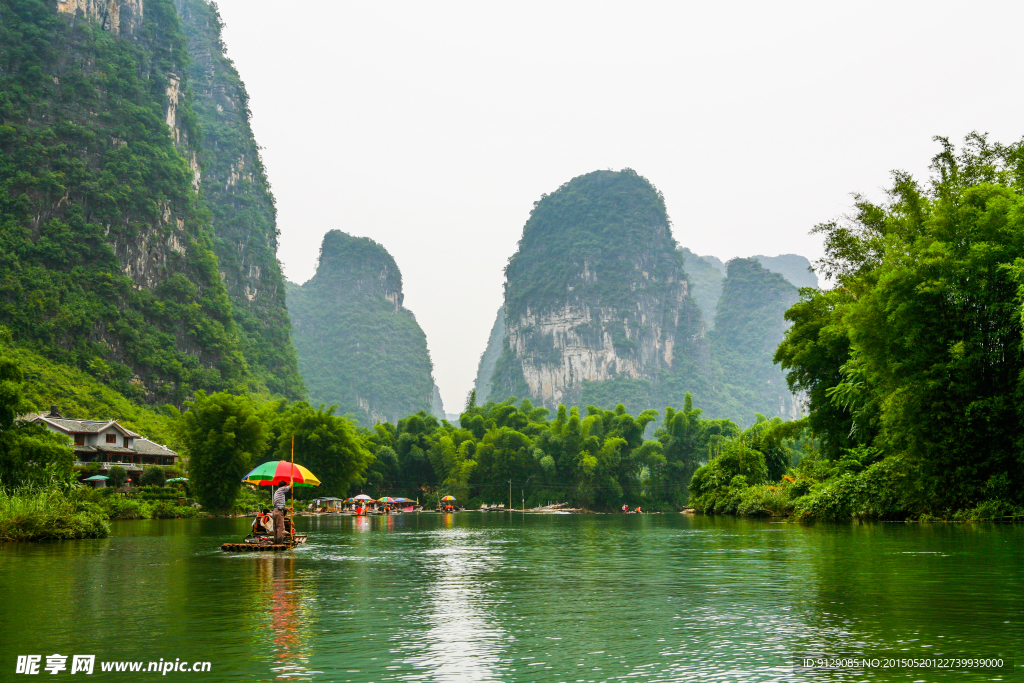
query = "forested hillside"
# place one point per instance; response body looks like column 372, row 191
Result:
column 243, row 218
column 108, row 240
column 357, row 346
column 597, row 304
column 602, row 308
column 105, row 249
column 749, row 324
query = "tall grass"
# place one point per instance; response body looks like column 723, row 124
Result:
column 36, row 514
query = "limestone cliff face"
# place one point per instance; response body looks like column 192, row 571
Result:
column 236, row 191
column 358, row 347
column 597, row 306
column 485, row 368
column 120, row 17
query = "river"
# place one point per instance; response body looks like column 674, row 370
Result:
column 507, row 597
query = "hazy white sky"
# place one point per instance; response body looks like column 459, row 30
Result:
column 432, row 127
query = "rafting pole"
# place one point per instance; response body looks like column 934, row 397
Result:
column 291, row 490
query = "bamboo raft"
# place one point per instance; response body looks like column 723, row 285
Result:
column 240, row 547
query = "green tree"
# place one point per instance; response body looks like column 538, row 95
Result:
column 918, row 350
column 222, row 434
column 118, row 476
column 153, row 476
column 326, row 444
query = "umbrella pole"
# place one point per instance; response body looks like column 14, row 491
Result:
column 291, row 490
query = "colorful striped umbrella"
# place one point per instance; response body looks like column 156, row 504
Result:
column 448, row 498
column 278, row 472
column 385, row 499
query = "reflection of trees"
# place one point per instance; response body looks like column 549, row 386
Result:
column 951, row 588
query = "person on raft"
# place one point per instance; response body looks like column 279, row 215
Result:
column 280, row 506
column 263, row 524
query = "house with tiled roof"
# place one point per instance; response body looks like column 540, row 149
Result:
column 106, row 442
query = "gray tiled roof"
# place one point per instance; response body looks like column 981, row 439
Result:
column 107, row 448
column 81, row 426
column 147, row 447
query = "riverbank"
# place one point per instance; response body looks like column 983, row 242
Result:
column 890, row 489
column 49, row 514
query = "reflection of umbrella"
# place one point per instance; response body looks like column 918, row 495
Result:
column 176, row 479
column 98, row 477
column 278, row 472
column 385, row 499
column 362, row 496
column 448, row 498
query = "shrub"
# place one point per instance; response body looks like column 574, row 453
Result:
column 119, row 507
column 718, row 485
column 118, row 476
column 165, row 510
column 765, row 501
column 153, row 476
column 833, row 500
column 33, row 514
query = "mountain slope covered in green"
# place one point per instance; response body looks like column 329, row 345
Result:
column 597, row 304
column 106, row 261
column 749, row 325
column 235, row 190
column 357, row 346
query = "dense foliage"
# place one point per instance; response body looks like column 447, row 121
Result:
column 104, row 250
column 30, row 454
column 222, row 435
column 597, row 459
column 913, row 363
column 225, row 436
column 358, row 347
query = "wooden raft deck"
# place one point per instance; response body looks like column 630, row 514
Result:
column 249, row 547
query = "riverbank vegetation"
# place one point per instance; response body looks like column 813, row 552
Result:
column 912, row 364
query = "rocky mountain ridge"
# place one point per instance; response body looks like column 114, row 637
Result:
column 358, row 346
column 603, row 307
column 576, row 317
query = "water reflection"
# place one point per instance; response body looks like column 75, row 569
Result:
column 285, row 603
column 460, row 643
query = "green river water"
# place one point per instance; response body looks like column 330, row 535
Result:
column 507, row 597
